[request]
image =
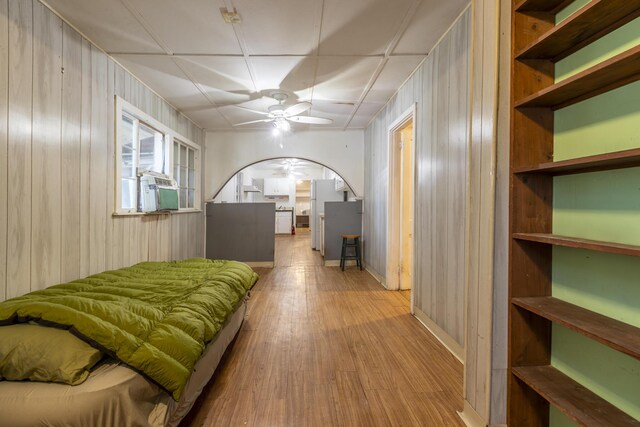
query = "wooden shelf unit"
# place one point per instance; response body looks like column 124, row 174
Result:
column 611, row 74
column 597, row 163
column 578, row 243
column 610, row 332
column 550, row 6
column 536, row 44
column 593, row 21
column 577, row 402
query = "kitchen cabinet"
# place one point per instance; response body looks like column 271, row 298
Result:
column 276, row 187
column 284, row 222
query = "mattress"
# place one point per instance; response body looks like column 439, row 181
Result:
column 113, row 395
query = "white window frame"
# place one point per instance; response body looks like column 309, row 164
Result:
column 123, row 106
column 196, row 158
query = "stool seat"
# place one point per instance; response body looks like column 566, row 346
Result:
column 355, row 245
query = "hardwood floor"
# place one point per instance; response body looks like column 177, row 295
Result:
column 321, row 347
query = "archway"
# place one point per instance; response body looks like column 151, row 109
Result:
column 234, row 174
column 227, row 153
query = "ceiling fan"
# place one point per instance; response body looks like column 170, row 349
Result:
column 280, row 115
column 289, row 167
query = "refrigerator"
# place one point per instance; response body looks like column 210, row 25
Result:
column 322, row 190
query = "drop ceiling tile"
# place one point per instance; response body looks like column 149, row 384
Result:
column 210, row 119
column 343, row 78
column 108, row 24
column 369, row 109
column 336, row 111
column 238, row 115
column 393, row 75
column 226, row 80
column 360, row 27
column 292, row 74
column 359, row 122
column 321, row 107
column 434, row 15
column 366, row 112
column 189, row 26
column 161, row 74
column 279, row 27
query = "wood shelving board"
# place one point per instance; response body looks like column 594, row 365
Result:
column 551, row 6
column 594, row 20
column 576, row 242
column 574, row 400
column 613, row 73
column 600, row 162
column 613, row 333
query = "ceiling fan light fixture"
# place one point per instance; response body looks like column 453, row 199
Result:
column 280, row 115
column 282, row 124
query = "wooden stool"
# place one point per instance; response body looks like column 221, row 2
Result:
column 345, row 245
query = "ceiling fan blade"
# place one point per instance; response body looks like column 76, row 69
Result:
column 249, row 109
column 294, row 110
column 254, row 121
column 311, row 120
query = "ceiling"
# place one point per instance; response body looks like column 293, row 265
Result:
column 297, row 167
column 346, row 57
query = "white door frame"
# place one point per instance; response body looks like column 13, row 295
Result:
column 393, row 202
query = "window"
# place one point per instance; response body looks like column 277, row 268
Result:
column 143, row 150
column 184, row 172
column 145, row 145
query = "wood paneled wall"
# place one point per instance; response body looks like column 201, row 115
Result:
column 498, row 392
column 486, row 343
column 57, row 151
column 440, row 90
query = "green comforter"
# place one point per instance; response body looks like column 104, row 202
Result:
column 155, row 316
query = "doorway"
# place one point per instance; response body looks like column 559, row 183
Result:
column 400, row 239
column 303, row 205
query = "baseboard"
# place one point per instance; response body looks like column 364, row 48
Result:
column 258, row 264
column 336, row 263
column 446, row 340
column 375, row 275
column 470, row 417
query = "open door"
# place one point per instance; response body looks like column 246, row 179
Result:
column 406, row 215
column 400, row 219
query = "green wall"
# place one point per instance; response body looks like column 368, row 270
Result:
column 599, row 206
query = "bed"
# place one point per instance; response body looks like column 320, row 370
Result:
column 133, row 316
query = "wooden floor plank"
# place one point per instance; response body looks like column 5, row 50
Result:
column 322, row 347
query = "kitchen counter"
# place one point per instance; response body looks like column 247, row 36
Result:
column 253, row 221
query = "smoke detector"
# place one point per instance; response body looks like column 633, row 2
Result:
column 230, row 17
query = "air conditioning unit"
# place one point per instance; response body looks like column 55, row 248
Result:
column 158, row 193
